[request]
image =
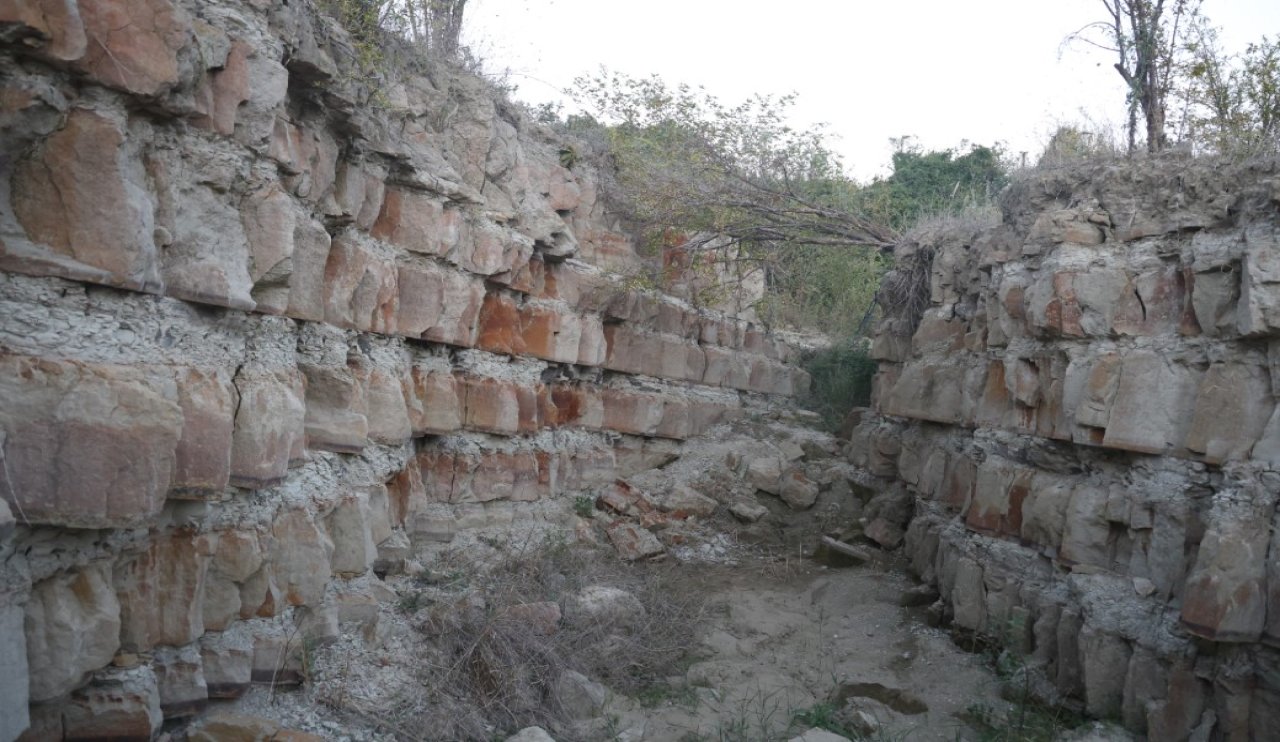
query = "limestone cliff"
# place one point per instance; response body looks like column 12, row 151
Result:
column 268, row 326
column 1085, row 415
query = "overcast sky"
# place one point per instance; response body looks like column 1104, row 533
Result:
column 942, row 71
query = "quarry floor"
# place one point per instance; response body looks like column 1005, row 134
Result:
column 786, row 644
column 782, row 642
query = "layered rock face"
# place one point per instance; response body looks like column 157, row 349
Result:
column 266, row 330
column 1085, row 412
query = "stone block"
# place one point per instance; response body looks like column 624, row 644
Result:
column 1178, row 713
column 551, row 334
column 1232, row 407
column 208, row 401
column 360, row 290
column 14, row 672
column 269, row 426
column 1215, row 296
column 416, row 222
column 1152, row 408
column 1044, row 511
column 349, row 529
column 335, row 409
column 300, row 557
column 682, row 501
column 968, row 596
column 928, row 392
column 797, row 491
column 500, row 329
column 492, row 405
column 161, row 592
column 484, row 477
column 725, row 369
column 84, row 211
column 72, row 627
column 1258, row 311
column 488, row 249
column 87, row 446
column 435, row 402
column 420, row 305
column 236, row 558
column 460, row 310
column 998, row 496
column 405, row 495
column 631, row 412
column 226, row 658
column 308, row 159
column 270, row 224
column 180, row 681
column 633, row 542
column 387, row 413
column 1225, row 598
column 1104, row 662
column 118, row 705
column 311, row 244
column 136, row 44
column 222, row 91
column 206, row 254
column 1147, row 683
column 1086, row 534
column 359, row 192
column 561, row 405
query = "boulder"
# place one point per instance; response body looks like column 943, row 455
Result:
column 580, row 697
column 633, row 542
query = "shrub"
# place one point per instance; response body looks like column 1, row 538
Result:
column 842, row 376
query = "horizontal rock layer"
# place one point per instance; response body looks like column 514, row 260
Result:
column 266, row 333
column 1086, row 415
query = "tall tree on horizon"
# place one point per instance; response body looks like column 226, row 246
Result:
column 1145, row 35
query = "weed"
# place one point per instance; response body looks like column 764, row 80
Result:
column 584, row 506
column 665, row 694
column 1027, row 721
column 492, row 655
column 841, row 377
column 823, row 716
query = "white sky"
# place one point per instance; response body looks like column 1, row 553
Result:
column 942, row 71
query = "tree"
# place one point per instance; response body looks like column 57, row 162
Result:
column 1233, row 103
column 926, row 183
column 686, row 170
column 681, row 158
column 1145, row 36
column 433, row 25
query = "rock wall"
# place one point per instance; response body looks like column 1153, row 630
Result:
column 269, row 327
column 1085, row 415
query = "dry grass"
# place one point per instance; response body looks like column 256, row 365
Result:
column 493, row 665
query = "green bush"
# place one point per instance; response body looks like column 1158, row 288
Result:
column 842, row 377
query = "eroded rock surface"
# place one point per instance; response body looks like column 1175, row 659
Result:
column 1085, row 417
column 266, row 334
